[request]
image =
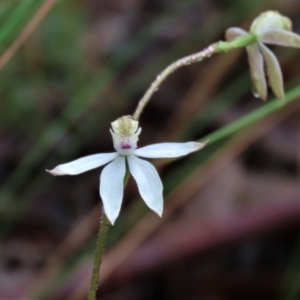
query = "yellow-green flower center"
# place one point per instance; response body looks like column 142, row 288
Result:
column 125, row 126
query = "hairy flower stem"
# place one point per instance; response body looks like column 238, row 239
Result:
column 101, row 240
column 188, row 60
column 100, row 244
column 185, row 61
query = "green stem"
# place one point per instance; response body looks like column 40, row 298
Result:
column 100, row 244
column 253, row 117
column 239, row 42
column 101, row 239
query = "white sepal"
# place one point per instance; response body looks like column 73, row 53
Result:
column 111, row 187
column 148, row 181
column 234, row 32
column 257, row 72
column 280, row 37
column 163, row 150
column 83, row 164
column 273, row 71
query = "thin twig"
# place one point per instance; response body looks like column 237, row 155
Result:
column 26, row 32
column 185, row 61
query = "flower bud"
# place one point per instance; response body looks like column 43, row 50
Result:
column 270, row 20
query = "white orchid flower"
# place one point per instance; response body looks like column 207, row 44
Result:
column 268, row 28
column 125, row 134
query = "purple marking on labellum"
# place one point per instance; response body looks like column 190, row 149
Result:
column 125, row 147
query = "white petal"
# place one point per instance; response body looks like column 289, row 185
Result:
column 83, row 164
column 168, row 149
column 234, row 32
column 111, row 187
column 280, row 37
column 148, row 182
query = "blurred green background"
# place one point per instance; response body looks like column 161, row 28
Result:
column 230, row 228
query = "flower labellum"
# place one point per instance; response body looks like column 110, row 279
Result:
column 269, row 28
column 125, row 132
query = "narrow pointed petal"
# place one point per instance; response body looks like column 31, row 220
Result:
column 168, row 149
column 148, row 182
column 280, row 37
column 234, row 32
column 111, row 187
column 273, row 71
column 257, row 72
column 83, row 164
